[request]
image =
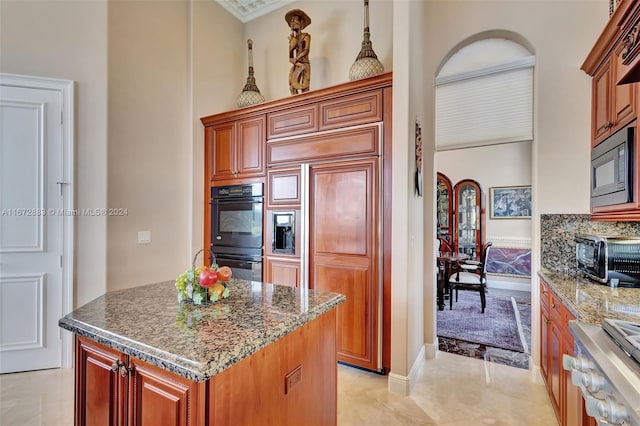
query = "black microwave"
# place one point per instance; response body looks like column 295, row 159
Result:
column 612, row 169
column 603, row 258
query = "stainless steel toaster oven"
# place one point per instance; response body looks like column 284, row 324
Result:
column 604, row 258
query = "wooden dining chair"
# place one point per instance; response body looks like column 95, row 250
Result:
column 470, row 276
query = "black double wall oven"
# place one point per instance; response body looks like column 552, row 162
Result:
column 236, row 229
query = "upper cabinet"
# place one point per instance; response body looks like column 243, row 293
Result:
column 614, row 64
column 235, row 149
column 614, row 106
column 630, row 54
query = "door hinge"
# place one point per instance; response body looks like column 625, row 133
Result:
column 61, row 117
column 60, row 261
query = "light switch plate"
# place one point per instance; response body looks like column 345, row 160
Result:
column 144, row 237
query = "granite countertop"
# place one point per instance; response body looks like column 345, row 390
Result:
column 196, row 342
column 591, row 302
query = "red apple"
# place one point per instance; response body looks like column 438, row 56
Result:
column 208, row 277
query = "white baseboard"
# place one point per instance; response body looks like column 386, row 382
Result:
column 508, row 283
column 536, row 375
column 431, row 349
column 403, row 384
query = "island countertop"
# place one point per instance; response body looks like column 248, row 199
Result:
column 592, row 302
column 196, row 341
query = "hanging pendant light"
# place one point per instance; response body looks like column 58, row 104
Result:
column 250, row 95
column 367, row 63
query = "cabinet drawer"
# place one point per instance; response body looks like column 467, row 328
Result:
column 350, row 143
column 293, row 121
column 351, row 110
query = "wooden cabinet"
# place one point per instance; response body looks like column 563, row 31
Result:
column 555, row 341
column 283, row 188
column 283, row 271
column 351, row 110
column 293, row 121
column 291, row 381
column 345, row 251
column 359, row 141
column 283, row 197
column 613, row 106
column 100, row 389
column 114, row 389
column 235, row 149
column 630, row 53
column 614, row 64
column 341, row 135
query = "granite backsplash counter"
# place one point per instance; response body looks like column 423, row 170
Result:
column 196, row 342
column 592, row 302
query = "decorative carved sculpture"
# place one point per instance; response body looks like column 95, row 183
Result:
column 299, row 44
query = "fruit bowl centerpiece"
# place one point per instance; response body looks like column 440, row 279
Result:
column 203, row 284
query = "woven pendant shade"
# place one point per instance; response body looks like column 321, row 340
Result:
column 250, row 94
column 367, row 63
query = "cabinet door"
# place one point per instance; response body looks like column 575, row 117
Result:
column 344, row 246
column 157, row 397
column 545, row 354
column 100, row 391
column 282, row 271
column 250, row 147
column 283, row 187
column 223, row 151
column 601, row 92
column 624, row 96
column 555, row 368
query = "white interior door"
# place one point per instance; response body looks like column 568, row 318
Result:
column 32, row 227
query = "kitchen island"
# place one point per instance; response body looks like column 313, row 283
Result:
column 265, row 355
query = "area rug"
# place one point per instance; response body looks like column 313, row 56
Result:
column 499, row 327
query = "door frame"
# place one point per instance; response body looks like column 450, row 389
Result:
column 66, row 90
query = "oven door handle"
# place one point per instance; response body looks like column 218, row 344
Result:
column 237, row 200
column 239, row 258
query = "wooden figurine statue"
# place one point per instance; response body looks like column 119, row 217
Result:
column 299, row 44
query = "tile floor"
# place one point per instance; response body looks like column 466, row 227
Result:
column 451, row 390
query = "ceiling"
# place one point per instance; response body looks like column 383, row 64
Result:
column 246, row 10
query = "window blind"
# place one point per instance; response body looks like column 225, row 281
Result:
column 485, row 107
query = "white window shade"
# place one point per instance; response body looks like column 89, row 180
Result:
column 485, row 107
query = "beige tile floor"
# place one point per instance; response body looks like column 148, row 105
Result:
column 451, row 390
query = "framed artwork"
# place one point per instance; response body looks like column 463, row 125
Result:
column 510, row 202
column 418, row 142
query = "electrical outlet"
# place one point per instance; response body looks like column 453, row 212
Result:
column 144, row 237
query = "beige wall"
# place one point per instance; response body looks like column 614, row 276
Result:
column 561, row 33
column 218, row 55
column 336, row 36
column 68, row 40
column 148, row 149
column 491, row 166
column 420, row 299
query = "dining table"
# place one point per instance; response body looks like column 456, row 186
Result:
column 446, row 260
